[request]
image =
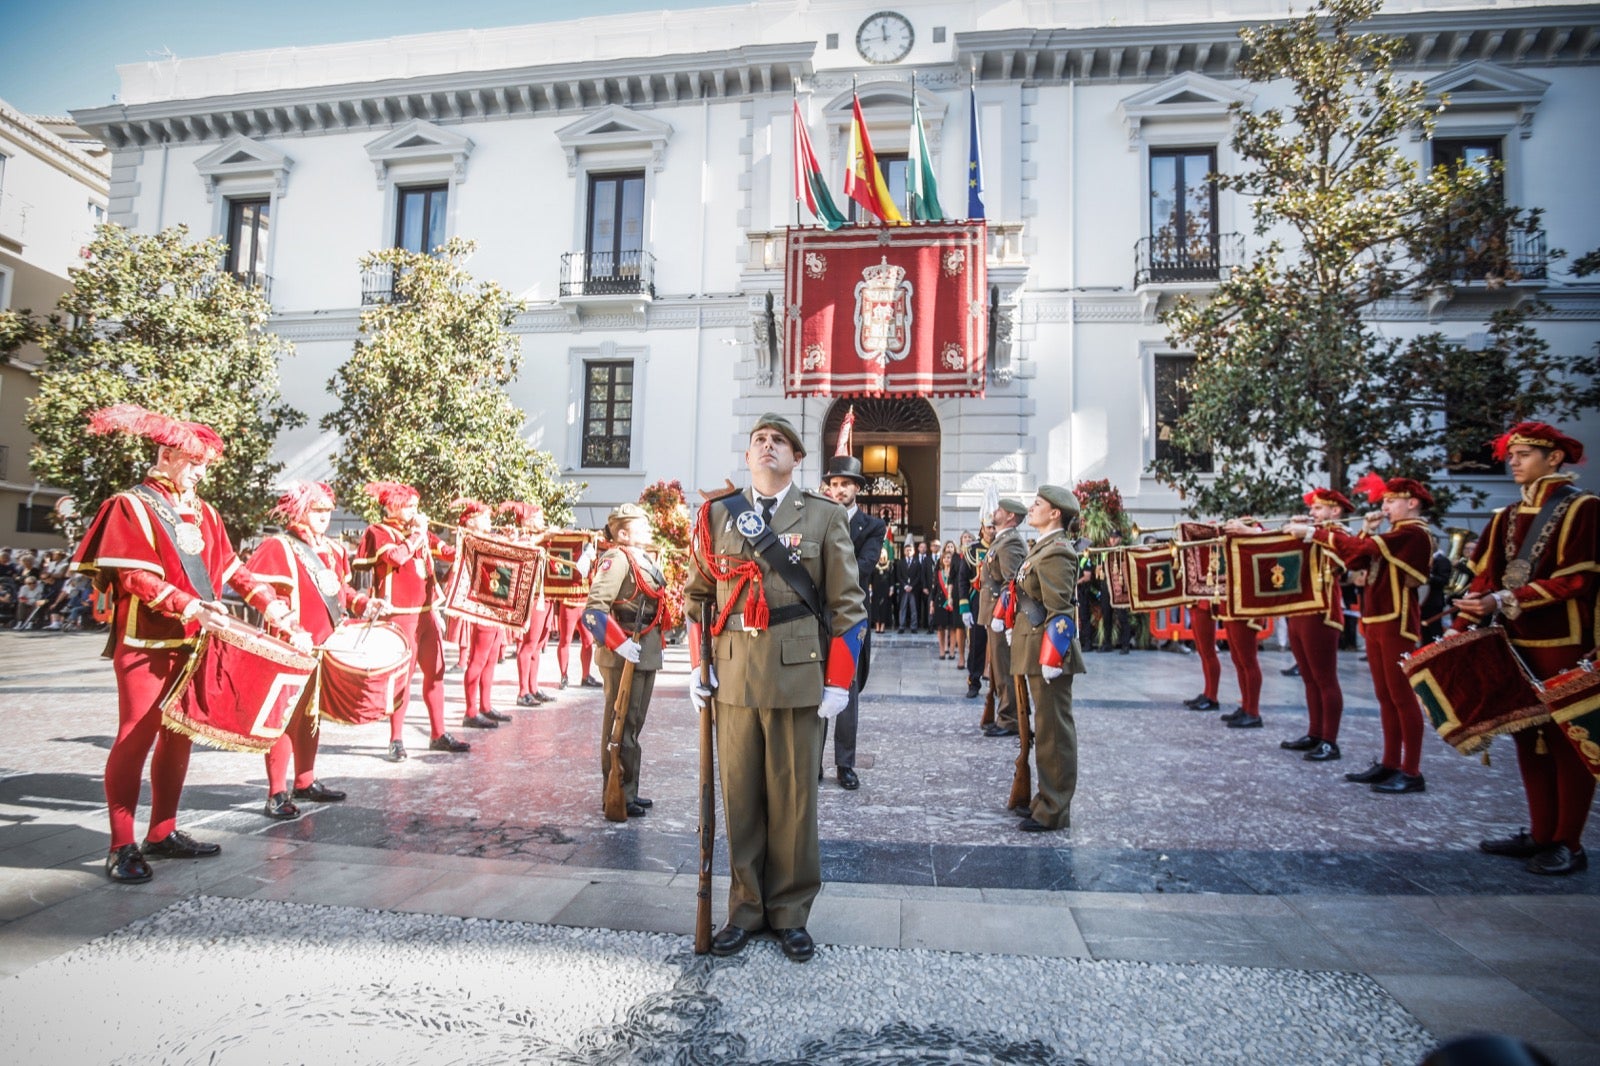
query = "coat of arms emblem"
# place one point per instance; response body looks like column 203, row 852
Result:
column 883, row 314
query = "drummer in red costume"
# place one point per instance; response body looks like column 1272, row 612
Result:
column 1314, row 642
column 1397, row 563
column 530, row 528
column 481, row 642
column 399, row 552
column 164, row 556
column 1538, row 568
column 312, row 574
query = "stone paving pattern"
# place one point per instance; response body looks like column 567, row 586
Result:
column 1191, row 845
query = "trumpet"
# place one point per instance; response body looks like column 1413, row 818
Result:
column 1137, row 531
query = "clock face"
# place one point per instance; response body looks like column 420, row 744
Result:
column 885, row 37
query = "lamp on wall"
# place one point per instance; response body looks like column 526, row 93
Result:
column 880, row 460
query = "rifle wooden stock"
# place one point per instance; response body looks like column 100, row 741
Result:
column 615, row 802
column 1022, row 778
column 708, row 792
column 988, row 699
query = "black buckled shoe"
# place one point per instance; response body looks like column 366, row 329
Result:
column 589, row 682
column 179, row 845
column 1245, row 721
column 646, row 804
column 478, row 721
column 996, row 731
column 1202, row 703
column 397, row 751
column 126, row 866
column 527, row 700
column 1371, row 775
column 1233, row 715
column 446, row 742
column 730, row 940
column 1327, row 751
column 317, row 792
column 796, row 943
column 1557, row 860
column 637, row 810
column 848, row 779
column 1518, row 846
column 541, row 697
column 1031, row 825
column 1305, row 743
column 563, row 683
column 494, row 716
column 281, row 807
column 1400, row 782
column 972, row 690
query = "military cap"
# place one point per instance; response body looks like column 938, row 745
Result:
column 626, row 512
column 781, row 424
column 1013, row 506
column 1062, row 499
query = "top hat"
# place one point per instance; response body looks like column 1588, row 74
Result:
column 845, row 466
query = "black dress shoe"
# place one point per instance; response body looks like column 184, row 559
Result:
column 126, row 865
column 1028, row 825
column 1305, row 743
column 494, row 716
column 397, row 751
column 589, row 682
column 996, row 731
column 317, row 792
column 1558, row 859
column 646, row 804
column 1293, row 671
column 1232, row 716
column 280, row 806
column 796, row 943
column 1372, row 774
column 563, row 682
column 848, row 779
column 446, row 742
column 478, row 721
column 1519, row 846
column 972, row 690
column 1245, row 721
column 527, row 700
column 730, row 940
column 1204, row 703
column 543, row 697
column 635, row 810
column 1327, row 751
column 1401, row 782
column 179, row 845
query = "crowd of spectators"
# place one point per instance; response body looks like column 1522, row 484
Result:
column 38, row 592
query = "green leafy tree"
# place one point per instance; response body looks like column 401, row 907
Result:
column 423, row 400
column 1291, row 382
column 154, row 319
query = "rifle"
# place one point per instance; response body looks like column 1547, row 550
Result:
column 988, row 699
column 708, row 791
column 615, row 803
column 1022, row 778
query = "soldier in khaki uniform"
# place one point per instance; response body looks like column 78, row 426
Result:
column 624, row 614
column 1045, row 651
column 779, row 670
column 999, row 567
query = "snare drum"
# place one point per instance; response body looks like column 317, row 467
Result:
column 1573, row 697
column 239, row 689
column 365, row 673
column 1473, row 687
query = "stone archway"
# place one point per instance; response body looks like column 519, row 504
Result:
column 897, row 440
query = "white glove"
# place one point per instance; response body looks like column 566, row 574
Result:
column 698, row 692
column 998, row 625
column 585, row 561
column 377, row 608
column 629, row 650
column 1050, row 673
column 834, row 700
column 1008, row 638
column 1299, row 529
column 300, row 640
column 966, row 619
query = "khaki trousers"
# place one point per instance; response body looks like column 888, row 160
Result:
column 1005, row 695
column 1055, row 750
column 644, row 685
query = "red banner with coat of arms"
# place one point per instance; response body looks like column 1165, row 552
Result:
column 886, row 311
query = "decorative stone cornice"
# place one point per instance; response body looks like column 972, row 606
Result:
column 419, row 142
column 464, row 96
column 615, row 127
column 1481, row 88
column 240, row 157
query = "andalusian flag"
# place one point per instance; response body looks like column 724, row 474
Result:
column 924, row 187
column 808, row 184
column 863, row 181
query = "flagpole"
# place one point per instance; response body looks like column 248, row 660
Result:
column 794, row 147
column 911, row 207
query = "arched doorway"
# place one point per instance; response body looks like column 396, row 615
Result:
column 897, row 441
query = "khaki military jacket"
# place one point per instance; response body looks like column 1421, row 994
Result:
column 781, row 666
column 1049, row 575
column 614, row 590
column 998, row 568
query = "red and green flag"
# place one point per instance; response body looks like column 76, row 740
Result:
column 809, row 187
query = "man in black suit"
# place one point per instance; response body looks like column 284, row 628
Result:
column 842, row 482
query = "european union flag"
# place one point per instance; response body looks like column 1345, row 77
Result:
column 974, row 160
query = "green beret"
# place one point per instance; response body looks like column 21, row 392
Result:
column 626, row 512
column 1062, row 499
column 781, row 424
column 1014, row 506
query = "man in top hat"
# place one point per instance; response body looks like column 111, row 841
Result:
column 1044, row 650
column 1314, row 642
column 999, row 569
column 312, row 574
column 775, row 577
column 1537, row 567
column 842, row 482
column 399, row 549
column 624, row 614
column 164, row 555
column 1397, row 563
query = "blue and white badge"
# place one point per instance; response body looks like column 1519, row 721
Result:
column 751, row 525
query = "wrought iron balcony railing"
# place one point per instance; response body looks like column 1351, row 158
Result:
column 259, row 280
column 1502, row 255
column 377, row 284
column 631, row 273
column 1201, row 258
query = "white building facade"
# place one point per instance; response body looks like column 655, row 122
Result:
column 631, row 178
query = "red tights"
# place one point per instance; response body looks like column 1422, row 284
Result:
column 142, row 675
column 1315, row 645
column 528, row 651
column 1246, row 663
column 1398, row 709
column 422, row 637
column 302, row 742
column 567, row 618
column 483, row 643
column 1205, row 644
column 1558, row 785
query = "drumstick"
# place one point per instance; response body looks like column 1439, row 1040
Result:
column 364, row 631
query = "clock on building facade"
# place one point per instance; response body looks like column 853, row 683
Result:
column 885, row 37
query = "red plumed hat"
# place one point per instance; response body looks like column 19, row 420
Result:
column 1407, row 488
column 1333, row 496
column 1539, row 435
column 391, row 493
column 299, row 497
column 1370, row 485
column 467, row 508
column 523, row 513
column 191, row 438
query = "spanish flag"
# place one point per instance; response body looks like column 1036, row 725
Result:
column 863, row 181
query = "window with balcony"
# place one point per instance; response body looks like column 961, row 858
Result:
column 614, row 250
column 608, row 413
column 1183, row 244
column 421, row 216
column 247, row 240
column 613, row 155
column 1171, row 401
column 896, row 175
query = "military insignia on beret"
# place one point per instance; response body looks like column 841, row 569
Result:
column 751, row 524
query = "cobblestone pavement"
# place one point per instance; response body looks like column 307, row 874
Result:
column 1216, row 898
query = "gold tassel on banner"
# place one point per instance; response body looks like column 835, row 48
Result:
column 1540, row 748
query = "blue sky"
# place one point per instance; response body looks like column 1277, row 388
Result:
column 63, row 54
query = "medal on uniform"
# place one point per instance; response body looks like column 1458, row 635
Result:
column 327, row 582
column 750, row 524
column 188, row 538
column 1518, row 571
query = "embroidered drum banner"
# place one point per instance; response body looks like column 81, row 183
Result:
column 1155, row 578
column 1118, row 581
column 564, row 579
column 495, row 580
column 1205, row 574
column 886, row 311
column 1273, row 574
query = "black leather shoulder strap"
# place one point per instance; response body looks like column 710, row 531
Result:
column 778, row 559
column 194, row 566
